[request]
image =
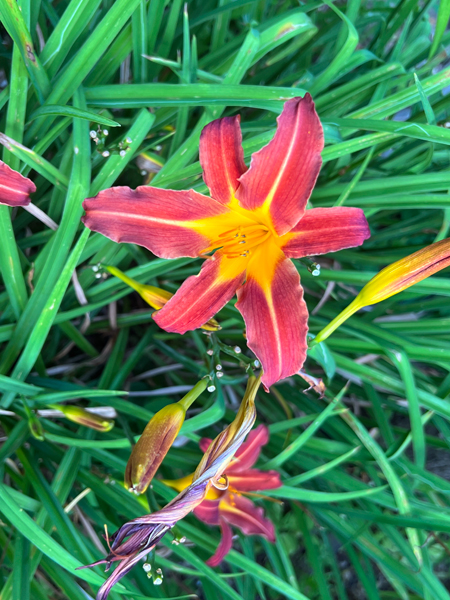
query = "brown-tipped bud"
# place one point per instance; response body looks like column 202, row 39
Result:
column 84, row 417
column 156, row 440
column 152, row 447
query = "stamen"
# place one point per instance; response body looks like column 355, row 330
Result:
column 249, row 236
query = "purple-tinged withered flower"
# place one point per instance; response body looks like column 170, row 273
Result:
column 134, row 540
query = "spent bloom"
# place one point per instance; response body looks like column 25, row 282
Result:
column 255, row 221
column 137, row 538
column 230, row 506
column 15, row 189
column 394, row 279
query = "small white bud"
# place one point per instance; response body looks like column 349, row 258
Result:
column 105, row 132
column 147, row 567
column 211, row 388
column 122, row 152
column 218, row 367
column 128, row 140
column 93, row 134
column 256, row 364
column 105, row 153
column 237, row 349
column 219, row 374
column 210, row 352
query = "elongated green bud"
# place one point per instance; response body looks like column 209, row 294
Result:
column 84, row 417
column 394, row 279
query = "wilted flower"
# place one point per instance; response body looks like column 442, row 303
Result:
column 84, row 417
column 15, row 189
column 255, row 222
column 394, row 279
column 230, row 506
column 154, row 296
column 138, row 537
column 157, row 438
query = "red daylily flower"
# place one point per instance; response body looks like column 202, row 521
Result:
column 15, row 189
column 255, row 221
column 230, row 506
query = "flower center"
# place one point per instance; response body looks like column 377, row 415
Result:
column 238, row 242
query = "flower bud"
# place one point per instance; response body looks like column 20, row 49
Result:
column 152, row 447
column 394, row 279
column 157, row 438
column 154, row 296
column 84, row 417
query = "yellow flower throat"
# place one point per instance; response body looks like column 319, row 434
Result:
column 238, row 242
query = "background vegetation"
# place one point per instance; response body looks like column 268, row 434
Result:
column 365, row 509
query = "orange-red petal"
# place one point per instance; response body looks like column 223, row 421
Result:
column 222, row 157
column 226, row 542
column 323, row 230
column 202, row 296
column 208, row 512
column 167, row 222
column 15, row 189
column 275, row 314
column 250, row 450
column 253, row 480
column 282, row 175
column 243, row 514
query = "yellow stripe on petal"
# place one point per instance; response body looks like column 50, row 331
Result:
column 275, row 314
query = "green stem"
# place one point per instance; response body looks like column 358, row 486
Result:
column 192, row 396
column 337, row 321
